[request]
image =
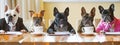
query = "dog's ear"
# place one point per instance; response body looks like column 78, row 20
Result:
column 111, row 8
column 42, row 13
column 101, row 8
column 55, row 11
column 6, row 8
column 31, row 12
column 92, row 13
column 83, row 11
column 66, row 12
column 17, row 9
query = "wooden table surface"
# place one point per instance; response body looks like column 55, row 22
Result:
column 46, row 39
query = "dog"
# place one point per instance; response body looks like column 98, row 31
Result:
column 61, row 24
column 12, row 21
column 87, row 19
column 108, row 23
column 37, row 19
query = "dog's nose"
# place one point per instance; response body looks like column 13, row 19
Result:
column 10, row 16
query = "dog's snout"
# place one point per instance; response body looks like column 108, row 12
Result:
column 61, row 21
column 10, row 18
column 37, row 21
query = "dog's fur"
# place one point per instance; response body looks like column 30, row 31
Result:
column 37, row 18
column 87, row 19
column 60, row 23
column 108, row 22
column 12, row 19
column 107, row 14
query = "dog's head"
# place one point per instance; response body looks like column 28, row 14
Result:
column 61, row 18
column 37, row 17
column 11, row 16
column 87, row 18
column 107, row 14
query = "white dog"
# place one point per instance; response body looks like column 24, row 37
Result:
column 12, row 21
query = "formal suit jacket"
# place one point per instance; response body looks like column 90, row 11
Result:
column 19, row 25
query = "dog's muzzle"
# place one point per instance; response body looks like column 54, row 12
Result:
column 107, row 19
column 10, row 19
column 38, row 23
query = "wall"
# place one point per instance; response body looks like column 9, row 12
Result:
column 75, row 10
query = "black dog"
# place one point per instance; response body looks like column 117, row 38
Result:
column 107, row 14
column 108, row 23
column 87, row 19
column 60, row 23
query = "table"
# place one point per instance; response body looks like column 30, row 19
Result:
column 6, row 39
column 46, row 39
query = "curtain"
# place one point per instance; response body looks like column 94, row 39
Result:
column 2, row 4
column 25, row 6
column 11, row 3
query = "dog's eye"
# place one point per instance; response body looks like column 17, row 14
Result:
column 7, row 14
column 14, row 15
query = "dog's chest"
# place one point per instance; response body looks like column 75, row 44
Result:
column 12, row 27
column 63, row 29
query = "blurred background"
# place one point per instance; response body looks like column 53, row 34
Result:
column 48, row 5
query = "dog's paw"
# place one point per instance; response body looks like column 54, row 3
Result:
column 73, row 31
column 50, row 31
column 23, row 31
column 2, row 31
